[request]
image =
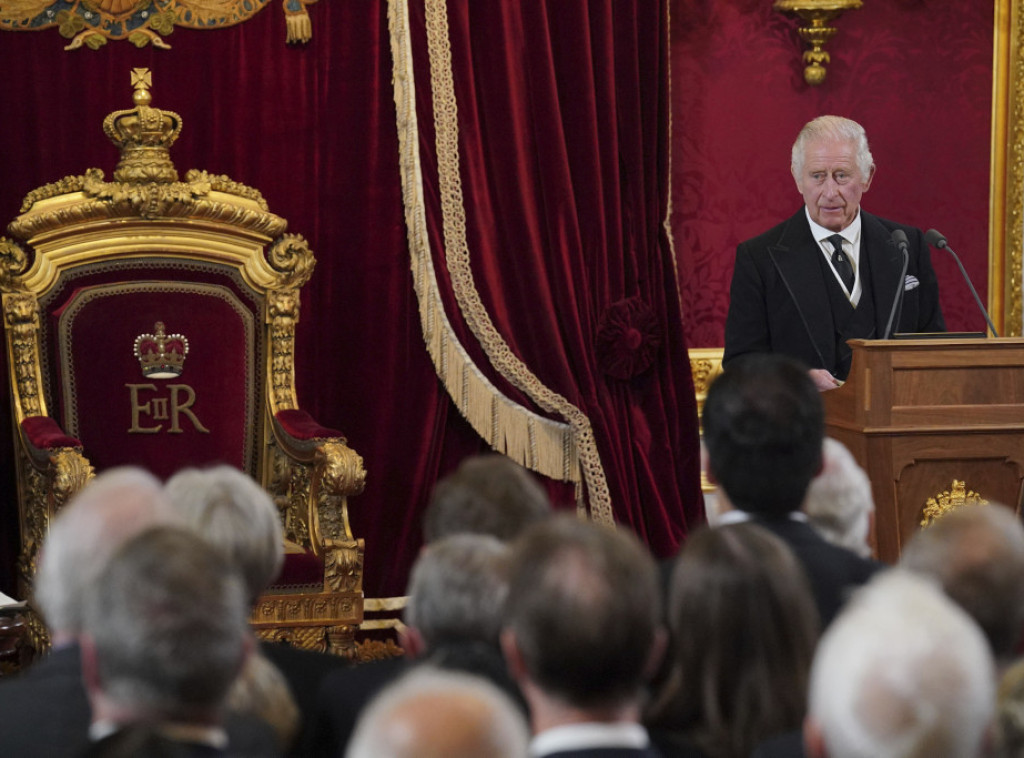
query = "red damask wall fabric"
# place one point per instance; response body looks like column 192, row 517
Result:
column 916, row 74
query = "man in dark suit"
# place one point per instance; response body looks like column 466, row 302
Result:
column 165, row 632
column 832, row 272
column 763, row 432
column 456, row 595
column 583, row 636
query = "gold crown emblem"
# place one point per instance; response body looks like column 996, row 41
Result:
column 144, row 135
column 161, row 355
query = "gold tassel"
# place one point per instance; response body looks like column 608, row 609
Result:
column 297, row 22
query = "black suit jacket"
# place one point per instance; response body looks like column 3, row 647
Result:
column 304, row 670
column 778, row 301
column 44, row 712
column 788, row 745
column 834, row 572
column 607, row 752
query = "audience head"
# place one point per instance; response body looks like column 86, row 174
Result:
column 165, row 630
column 744, row 626
column 486, row 494
column 457, row 591
column 234, row 514
column 901, row 673
column 433, row 714
column 839, row 503
column 111, row 508
column 583, row 613
column 977, row 555
column 763, row 429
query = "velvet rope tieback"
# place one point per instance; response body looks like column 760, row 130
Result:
column 627, row 339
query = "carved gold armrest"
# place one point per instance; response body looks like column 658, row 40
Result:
column 311, row 480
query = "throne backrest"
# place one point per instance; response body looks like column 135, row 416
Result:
column 156, row 362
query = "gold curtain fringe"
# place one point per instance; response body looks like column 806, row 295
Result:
column 549, row 447
column 508, row 365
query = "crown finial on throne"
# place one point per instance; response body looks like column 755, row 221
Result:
column 144, row 136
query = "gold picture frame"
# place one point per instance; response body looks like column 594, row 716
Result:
column 1006, row 194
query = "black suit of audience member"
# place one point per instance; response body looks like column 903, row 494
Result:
column 345, row 693
column 140, row 742
column 789, row 745
column 833, row 571
column 304, row 670
column 44, row 712
column 608, row 752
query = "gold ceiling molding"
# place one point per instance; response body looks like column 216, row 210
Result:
column 817, row 17
column 560, row 450
column 91, row 23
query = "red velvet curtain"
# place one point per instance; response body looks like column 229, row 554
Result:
column 563, row 135
column 565, row 115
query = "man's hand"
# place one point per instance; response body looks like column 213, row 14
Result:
column 823, row 380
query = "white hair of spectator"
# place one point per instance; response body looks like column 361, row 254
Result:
column 839, row 503
column 430, row 713
column 228, row 509
column 457, row 589
column 110, row 509
column 902, row 673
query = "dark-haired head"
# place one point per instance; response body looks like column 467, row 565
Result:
column 763, row 430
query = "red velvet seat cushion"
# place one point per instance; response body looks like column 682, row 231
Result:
column 300, row 425
column 43, row 433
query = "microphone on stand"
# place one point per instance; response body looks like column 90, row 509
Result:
column 899, row 238
column 935, row 238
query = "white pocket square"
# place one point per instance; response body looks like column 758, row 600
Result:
column 910, row 283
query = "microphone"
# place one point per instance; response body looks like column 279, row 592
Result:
column 899, row 238
column 936, row 239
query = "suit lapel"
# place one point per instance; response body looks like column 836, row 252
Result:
column 795, row 256
column 885, row 266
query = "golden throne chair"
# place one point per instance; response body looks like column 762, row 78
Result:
column 154, row 325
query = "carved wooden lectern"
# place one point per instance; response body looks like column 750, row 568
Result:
column 937, row 424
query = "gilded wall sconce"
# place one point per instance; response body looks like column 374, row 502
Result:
column 816, row 15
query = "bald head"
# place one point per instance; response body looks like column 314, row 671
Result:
column 977, row 555
column 435, row 714
column 114, row 507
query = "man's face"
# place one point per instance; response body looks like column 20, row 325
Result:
column 831, row 183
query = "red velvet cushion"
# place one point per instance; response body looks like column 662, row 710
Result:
column 300, row 570
column 300, row 425
column 43, row 433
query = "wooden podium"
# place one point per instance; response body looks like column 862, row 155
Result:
column 936, row 423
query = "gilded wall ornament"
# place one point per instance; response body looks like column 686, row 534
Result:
column 91, row 23
column 816, row 29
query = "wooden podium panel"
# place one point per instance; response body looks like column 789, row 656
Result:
column 934, row 422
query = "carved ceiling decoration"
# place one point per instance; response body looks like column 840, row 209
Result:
column 92, row 23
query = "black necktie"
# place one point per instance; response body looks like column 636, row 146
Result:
column 841, row 262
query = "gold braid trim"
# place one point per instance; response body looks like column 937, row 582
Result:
column 457, row 257
column 667, row 223
column 541, row 444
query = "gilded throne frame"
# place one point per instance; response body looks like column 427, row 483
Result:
column 208, row 223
